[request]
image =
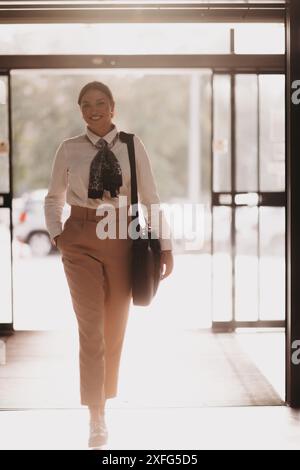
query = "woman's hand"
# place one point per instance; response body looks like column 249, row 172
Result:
column 55, row 241
column 166, row 261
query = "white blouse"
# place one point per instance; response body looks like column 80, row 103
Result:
column 70, row 177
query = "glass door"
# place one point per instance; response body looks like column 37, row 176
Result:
column 248, row 200
column 6, row 315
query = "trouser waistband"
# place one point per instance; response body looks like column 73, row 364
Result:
column 87, row 213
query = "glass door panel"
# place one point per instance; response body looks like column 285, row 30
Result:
column 272, row 263
column 249, row 178
column 222, row 264
column 272, row 133
column 246, row 131
column 221, row 133
column 246, row 264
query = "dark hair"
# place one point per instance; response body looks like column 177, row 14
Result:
column 95, row 85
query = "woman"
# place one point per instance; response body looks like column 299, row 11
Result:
column 87, row 173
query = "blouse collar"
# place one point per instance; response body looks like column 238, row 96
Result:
column 95, row 137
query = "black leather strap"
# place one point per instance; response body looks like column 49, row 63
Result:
column 128, row 138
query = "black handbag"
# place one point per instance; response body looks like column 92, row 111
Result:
column 146, row 250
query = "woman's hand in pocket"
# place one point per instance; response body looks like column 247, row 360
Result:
column 55, row 240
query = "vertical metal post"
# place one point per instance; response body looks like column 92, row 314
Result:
column 293, row 202
column 233, row 191
column 7, row 328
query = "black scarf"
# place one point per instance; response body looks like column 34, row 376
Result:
column 105, row 171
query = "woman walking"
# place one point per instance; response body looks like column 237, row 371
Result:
column 88, row 171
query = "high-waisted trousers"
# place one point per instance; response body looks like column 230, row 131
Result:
column 98, row 275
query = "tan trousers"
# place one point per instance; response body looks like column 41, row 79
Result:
column 98, row 276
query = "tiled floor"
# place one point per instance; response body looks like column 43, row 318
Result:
column 160, row 368
column 170, row 423
column 190, row 428
column 177, row 420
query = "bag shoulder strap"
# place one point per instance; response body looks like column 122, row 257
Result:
column 128, row 138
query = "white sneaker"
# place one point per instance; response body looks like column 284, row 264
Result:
column 98, row 433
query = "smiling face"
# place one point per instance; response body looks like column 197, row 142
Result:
column 97, row 111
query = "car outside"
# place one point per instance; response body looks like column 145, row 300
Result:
column 30, row 225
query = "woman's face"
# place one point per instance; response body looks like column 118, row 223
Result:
column 97, row 110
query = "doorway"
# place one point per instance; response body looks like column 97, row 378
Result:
column 205, row 168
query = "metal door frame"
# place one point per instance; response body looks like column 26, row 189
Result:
column 266, row 199
column 6, row 199
column 37, row 11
